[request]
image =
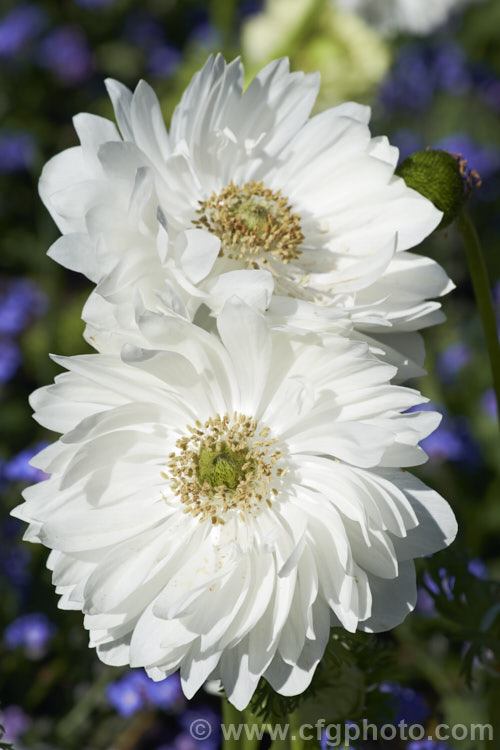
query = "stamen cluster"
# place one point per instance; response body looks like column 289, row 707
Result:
column 222, row 465
column 252, row 223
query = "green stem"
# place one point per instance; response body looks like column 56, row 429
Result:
column 481, row 286
column 231, row 715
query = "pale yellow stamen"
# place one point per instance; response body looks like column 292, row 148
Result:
column 224, row 465
column 254, row 224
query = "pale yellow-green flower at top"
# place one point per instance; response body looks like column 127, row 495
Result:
column 350, row 56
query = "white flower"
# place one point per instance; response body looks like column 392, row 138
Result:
column 217, row 502
column 309, row 206
column 399, row 16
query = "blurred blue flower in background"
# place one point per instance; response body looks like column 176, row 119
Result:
column 17, row 151
column 427, row 745
column 453, row 441
column 14, row 562
column 21, row 300
column 425, row 601
column 422, row 69
column 19, row 27
column 484, row 158
column 93, row 4
column 409, row 706
column 185, row 741
column 163, row 61
column 10, row 359
column 135, row 691
column 452, row 360
column 65, row 52
column 409, row 84
column 19, row 469
column 32, row 632
column 448, row 65
column 489, row 403
column 15, row 722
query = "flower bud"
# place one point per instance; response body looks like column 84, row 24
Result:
column 443, row 178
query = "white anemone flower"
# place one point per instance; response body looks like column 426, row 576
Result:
column 310, row 204
column 218, row 502
column 418, row 17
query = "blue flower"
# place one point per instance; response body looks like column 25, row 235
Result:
column 478, row 569
column 66, row 54
column 21, row 300
column 14, row 563
column 484, row 158
column 489, row 403
column 126, row 695
column 15, row 722
column 19, row 27
column 135, row 691
column 192, row 715
column 32, row 632
column 17, row 151
column 446, row 585
column 409, row 85
column 409, row 705
column 10, row 359
column 163, row 61
column 427, row 745
column 93, row 4
column 19, row 469
column 452, row 360
column 449, row 67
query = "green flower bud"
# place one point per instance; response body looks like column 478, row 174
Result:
column 441, row 177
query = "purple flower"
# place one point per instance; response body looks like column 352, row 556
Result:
column 19, row 27
column 410, row 84
column 143, row 31
column 15, row 722
column 66, row 54
column 478, row 569
column 10, row 359
column 93, row 4
column 135, row 691
column 206, row 715
column 164, row 693
column 425, row 603
column 408, row 704
column 17, row 151
column 19, row 469
column 21, row 300
column 31, row 632
column 489, row 403
column 14, row 563
column 449, row 67
column 451, row 440
column 163, row 61
column 484, row 158
column 427, row 745
column 185, row 741
column 452, row 360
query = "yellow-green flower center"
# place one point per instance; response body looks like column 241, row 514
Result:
column 227, row 464
column 224, row 468
column 254, row 224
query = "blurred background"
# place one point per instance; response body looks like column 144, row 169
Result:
column 430, row 69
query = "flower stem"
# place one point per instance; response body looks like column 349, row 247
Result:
column 482, row 292
column 231, row 716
